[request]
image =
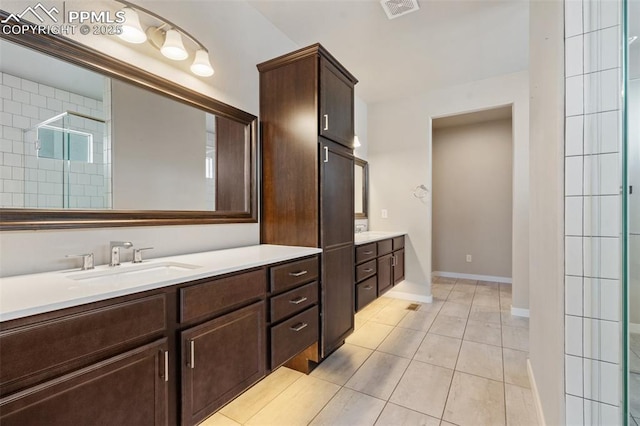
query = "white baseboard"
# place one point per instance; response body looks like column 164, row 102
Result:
column 506, row 280
column 536, row 395
column 409, row 296
column 519, row 312
column 634, row 328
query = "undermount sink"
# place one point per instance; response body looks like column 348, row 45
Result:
column 146, row 272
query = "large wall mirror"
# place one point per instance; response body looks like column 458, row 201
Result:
column 89, row 141
column 361, row 188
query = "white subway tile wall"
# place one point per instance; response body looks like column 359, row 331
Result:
column 32, row 182
column 592, row 212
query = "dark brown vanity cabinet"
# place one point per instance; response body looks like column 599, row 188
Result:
column 379, row 266
column 307, row 113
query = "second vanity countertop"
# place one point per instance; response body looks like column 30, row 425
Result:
column 25, row 295
column 371, row 236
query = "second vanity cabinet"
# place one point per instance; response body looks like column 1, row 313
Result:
column 379, row 266
column 173, row 355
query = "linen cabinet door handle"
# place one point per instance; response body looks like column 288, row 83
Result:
column 368, row 270
column 192, row 354
column 166, row 366
column 298, row 274
column 326, row 154
column 298, row 301
column 326, row 122
column 368, row 287
column 299, row 326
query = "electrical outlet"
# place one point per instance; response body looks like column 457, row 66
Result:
column 469, row 258
column 385, row 213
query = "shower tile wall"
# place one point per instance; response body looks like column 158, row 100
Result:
column 29, row 181
column 593, row 141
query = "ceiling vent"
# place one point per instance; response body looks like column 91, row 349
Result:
column 395, row 8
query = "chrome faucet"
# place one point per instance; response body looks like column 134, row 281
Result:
column 115, row 251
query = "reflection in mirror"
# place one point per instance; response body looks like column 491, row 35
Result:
column 74, row 139
column 361, row 186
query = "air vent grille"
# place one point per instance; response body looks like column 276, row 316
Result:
column 396, row 8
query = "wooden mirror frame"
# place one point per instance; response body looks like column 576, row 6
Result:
column 86, row 57
column 365, row 188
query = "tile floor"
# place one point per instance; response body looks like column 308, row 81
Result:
column 460, row 360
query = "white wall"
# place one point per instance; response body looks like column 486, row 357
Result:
column 399, row 154
column 472, row 207
column 238, row 38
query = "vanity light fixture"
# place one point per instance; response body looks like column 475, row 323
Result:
column 356, row 142
column 165, row 36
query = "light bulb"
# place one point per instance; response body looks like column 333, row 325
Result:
column 201, row 65
column 173, row 47
column 131, row 29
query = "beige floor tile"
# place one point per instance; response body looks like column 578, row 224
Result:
column 505, row 288
column 370, row 335
column 515, row 367
column 262, row 393
column 440, row 294
column 489, row 284
column 349, row 407
column 485, row 314
column 484, row 300
column 395, row 415
column 483, row 332
column 488, row 291
column 424, row 388
column 457, row 296
column 342, row 364
column 379, row 375
column 475, row 401
column 359, row 322
column 521, row 410
column 402, row 342
column 370, row 310
column 444, row 423
column 439, row 350
column 418, row 320
column 298, row 404
column 506, row 302
column 481, row 360
column 453, row 309
column 448, row 326
column 634, row 394
column 466, row 281
column 514, row 321
column 468, row 288
column 515, row 338
column 219, row 419
column 433, row 307
column 442, row 286
column 389, row 315
column 402, row 303
column 444, row 280
column 634, row 362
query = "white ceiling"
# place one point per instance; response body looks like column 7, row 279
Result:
column 444, row 43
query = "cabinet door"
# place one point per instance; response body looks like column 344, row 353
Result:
column 221, row 358
column 385, row 273
column 336, row 105
column 337, row 297
column 398, row 266
column 336, row 196
column 128, row 389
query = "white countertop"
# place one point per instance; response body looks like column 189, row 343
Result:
column 25, row 295
column 371, row 236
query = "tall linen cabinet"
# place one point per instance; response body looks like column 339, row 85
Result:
column 307, row 128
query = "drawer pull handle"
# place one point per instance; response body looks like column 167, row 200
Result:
column 192, row 361
column 299, row 326
column 166, row 366
column 368, row 252
column 298, row 301
column 367, row 287
column 298, row 274
column 368, row 270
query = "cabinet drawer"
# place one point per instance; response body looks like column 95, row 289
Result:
column 366, row 292
column 293, row 301
column 366, row 252
column 385, row 246
column 221, row 295
column 365, row 270
column 39, row 351
column 293, row 336
column 398, row 243
column 292, row 274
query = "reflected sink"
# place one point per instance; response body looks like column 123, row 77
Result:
column 130, row 273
